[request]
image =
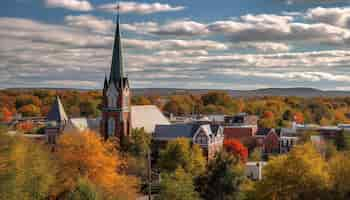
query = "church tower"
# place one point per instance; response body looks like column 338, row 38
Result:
column 116, row 114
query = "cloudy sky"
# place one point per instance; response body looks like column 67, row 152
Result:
column 222, row 44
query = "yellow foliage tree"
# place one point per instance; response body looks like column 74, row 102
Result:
column 301, row 174
column 27, row 171
column 339, row 168
column 86, row 155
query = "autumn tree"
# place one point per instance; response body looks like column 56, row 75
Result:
column 27, row 169
column 300, row 174
column 86, row 155
column 236, row 148
column 223, row 178
column 5, row 115
column 29, row 110
column 339, row 167
column 140, row 100
column 26, row 99
column 178, row 186
column 180, row 154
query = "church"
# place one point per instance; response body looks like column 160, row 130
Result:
column 116, row 112
column 118, row 117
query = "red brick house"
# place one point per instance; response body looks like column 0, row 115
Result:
column 268, row 140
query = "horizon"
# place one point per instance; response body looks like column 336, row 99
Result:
column 199, row 45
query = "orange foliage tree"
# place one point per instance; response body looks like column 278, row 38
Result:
column 5, row 115
column 237, row 148
column 268, row 114
column 299, row 117
column 26, row 126
column 87, row 155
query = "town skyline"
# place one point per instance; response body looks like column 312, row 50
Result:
column 177, row 44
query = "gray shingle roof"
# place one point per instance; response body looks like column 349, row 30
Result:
column 57, row 112
column 175, row 130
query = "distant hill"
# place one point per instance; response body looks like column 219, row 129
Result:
column 300, row 92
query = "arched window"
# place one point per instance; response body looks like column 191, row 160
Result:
column 112, row 101
column 111, row 126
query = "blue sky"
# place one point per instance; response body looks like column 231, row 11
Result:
column 223, row 44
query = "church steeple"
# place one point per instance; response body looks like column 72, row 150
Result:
column 117, row 71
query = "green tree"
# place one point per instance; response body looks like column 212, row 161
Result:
column 179, row 154
column 223, row 179
column 88, row 109
column 178, row 186
column 138, row 144
column 85, row 190
column 340, row 142
column 300, row 174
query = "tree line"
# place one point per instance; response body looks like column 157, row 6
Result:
column 273, row 111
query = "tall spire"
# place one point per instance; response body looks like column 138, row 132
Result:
column 117, row 72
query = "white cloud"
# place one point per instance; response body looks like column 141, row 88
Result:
column 174, row 44
column 90, row 22
column 182, row 53
column 79, row 5
column 334, row 16
column 140, row 8
column 266, row 47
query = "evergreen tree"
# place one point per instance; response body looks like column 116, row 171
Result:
column 341, row 142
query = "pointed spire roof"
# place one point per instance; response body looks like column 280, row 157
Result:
column 117, row 71
column 57, row 112
column 105, row 84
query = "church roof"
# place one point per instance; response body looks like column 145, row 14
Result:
column 82, row 124
column 57, row 112
column 147, row 117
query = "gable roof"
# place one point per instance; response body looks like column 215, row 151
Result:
column 147, row 117
column 57, row 112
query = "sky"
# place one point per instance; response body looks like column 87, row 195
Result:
column 221, row 44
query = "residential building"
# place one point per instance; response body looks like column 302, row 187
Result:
column 268, row 140
column 209, row 137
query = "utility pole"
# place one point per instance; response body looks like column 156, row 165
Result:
column 149, row 171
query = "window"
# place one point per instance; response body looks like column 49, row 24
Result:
column 111, row 126
column 201, row 138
